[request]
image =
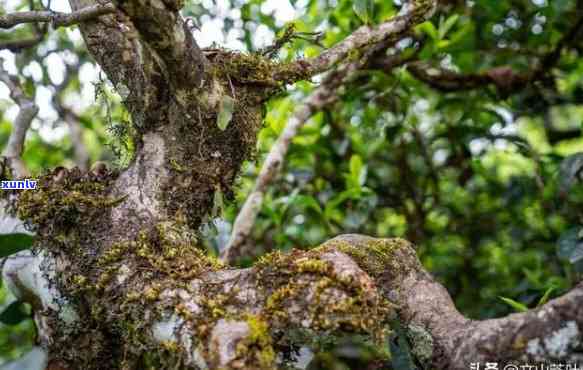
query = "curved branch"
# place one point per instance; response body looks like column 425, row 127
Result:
column 551, row 333
column 27, row 112
column 412, row 14
column 238, row 318
column 447, row 80
column 57, row 19
column 323, row 96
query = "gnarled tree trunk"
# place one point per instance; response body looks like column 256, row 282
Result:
column 118, row 279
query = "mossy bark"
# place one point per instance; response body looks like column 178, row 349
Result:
column 136, row 290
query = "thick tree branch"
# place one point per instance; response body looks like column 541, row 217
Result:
column 27, row 112
column 114, row 43
column 57, row 19
column 337, row 288
column 551, row 333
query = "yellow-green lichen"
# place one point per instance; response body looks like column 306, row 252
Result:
column 257, row 347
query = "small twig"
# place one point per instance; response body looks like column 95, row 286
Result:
column 26, row 114
column 288, row 36
column 20, row 44
column 57, row 19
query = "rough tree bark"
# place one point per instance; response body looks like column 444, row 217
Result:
column 118, row 281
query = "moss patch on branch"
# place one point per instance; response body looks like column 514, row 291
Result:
column 305, row 291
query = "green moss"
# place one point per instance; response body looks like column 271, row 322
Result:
column 297, row 275
column 421, row 343
column 374, row 256
column 257, row 347
column 65, row 200
column 254, row 68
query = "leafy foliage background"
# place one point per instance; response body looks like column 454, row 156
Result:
column 489, row 187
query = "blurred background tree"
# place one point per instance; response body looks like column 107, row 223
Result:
column 481, row 169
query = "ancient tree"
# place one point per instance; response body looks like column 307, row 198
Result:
column 117, row 277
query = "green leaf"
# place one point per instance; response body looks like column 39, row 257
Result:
column 519, row 307
column 545, row 298
column 308, row 202
column 447, row 25
column 364, row 9
column 13, row 243
column 15, row 313
column 570, row 245
column 570, row 171
column 218, row 203
column 429, row 29
column 226, row 109
column 357, row 171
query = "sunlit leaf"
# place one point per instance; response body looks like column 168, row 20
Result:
column 545, row 298
column 429, row 29
column 357, row 171
column 226, row 109
column 364, row 10
column 447, row 25
column 519, row 307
